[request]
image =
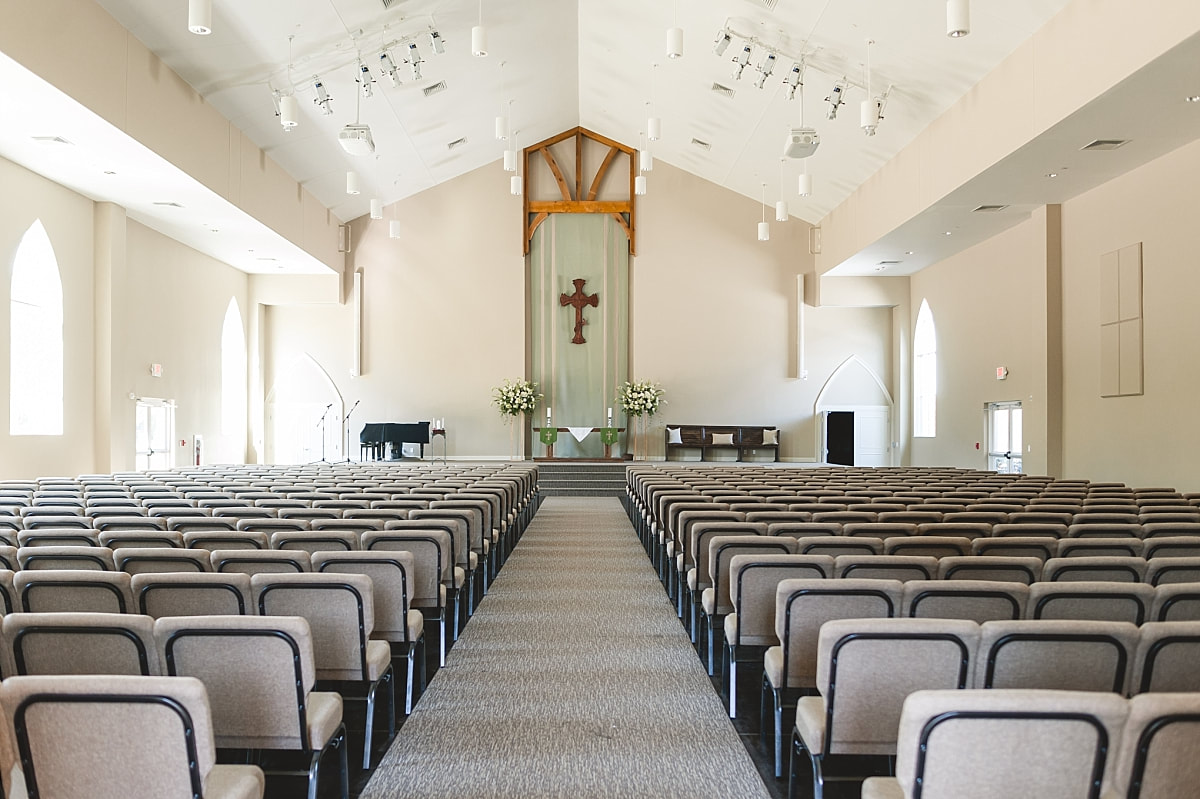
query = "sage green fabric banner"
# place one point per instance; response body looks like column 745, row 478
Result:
column 579, row 381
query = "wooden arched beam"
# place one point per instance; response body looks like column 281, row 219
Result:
column 623, row 210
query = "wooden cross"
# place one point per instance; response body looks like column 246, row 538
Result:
column 580, row 301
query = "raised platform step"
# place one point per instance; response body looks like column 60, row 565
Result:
column 568, row 478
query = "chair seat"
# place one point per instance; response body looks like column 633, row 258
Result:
column 882, row 788
column 472, row 561
column 810, row 722
column 460, row 577
column 234, row 782
column 416, row 626
column 379, row 657
column 324, row 717
column 773, row 666
column 708, row 601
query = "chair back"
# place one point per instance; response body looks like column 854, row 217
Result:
column 81, row 643
column 1056, row 655
column 191, row 594
column 71, row 590
column 1098, row 601
column 393, row 579
column 972, row 600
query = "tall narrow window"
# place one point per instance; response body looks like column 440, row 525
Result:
column 36, row 355
column 233, row 372
column 925, row 375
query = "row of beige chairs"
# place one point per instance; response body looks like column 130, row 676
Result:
column 869, row 669
column 1022, row 653
column 376, row 604
column 1065, row 744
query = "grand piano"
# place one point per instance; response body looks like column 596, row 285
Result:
column 375, row 437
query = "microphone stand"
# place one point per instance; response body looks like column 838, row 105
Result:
column 321, row 424
column 346, row 424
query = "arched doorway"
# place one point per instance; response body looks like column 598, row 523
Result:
column 302, row 394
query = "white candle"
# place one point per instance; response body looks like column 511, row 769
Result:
column 547, row 412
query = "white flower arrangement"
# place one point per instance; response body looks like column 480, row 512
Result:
column 640, row 398
column 515, row 397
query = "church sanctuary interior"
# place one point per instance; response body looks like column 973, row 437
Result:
column 544, row 398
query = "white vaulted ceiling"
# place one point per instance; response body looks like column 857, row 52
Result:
column 555, row 64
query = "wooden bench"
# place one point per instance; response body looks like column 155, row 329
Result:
column 743, row 438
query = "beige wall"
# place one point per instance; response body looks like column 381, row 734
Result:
column 713, row 314
column 991, row 309
column 1151, row 439
column 982, row 310
column 67, row 217
column 132, row 297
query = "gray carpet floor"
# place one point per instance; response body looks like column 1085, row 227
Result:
column 574, row 678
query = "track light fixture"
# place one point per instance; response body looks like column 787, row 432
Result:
column 793, row 79
column 837, row 97
column 722, row 43
column 414, row 60
column 765, row 68
column 322, row 100
column 387, row 68
column 366, row 83
column 958, row 18
column 742, row 60
column 436, row 43
column 200, row 17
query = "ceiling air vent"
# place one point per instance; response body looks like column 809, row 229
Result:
column 769, row 5
column 389, row 3
column 50, row 140
column 988, row 209
column 167, row 204
column 436, row 88
column 1105, row 144
column 723, row 90
column 703, row 145
column 879, row 267
column 456, row 143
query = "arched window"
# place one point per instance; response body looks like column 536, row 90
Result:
column 925, row 375
column 233, row 372
column 35, row 383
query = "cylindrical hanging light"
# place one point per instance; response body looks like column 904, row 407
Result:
column 958, row 18
column 781, row 211
column 200, row 17
column 502, row 128
column 352, row 183
column 639, row 185
column 377, row 209
column 764, row 230
column 806, row 185
column 515, row 185
column 653, row 128
column 674, row 42
column 510, row 160
column 645, row 161
column 394, row 229
column 479, row 41
column 868, row 115
column 289, row 111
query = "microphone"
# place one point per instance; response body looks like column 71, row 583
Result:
column 330, row 405
column 356, row 404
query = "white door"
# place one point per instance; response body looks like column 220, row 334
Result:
column 871, row 435
column 154, row 433
column 1004, row 437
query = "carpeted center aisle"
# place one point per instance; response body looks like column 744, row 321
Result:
column 574, row 678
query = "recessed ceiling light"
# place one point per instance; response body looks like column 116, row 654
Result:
column 909, row 252
column 109, row 172
column 948, row 233
column 1195, row 98
column 1051, row 174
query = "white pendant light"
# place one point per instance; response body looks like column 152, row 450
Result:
column 674, row 42
column 515, row 185
column 394, row 229
column 200, row 17
column 510, row 160
column 806, row 184
column 653, row 128
column 958, row 18
column 645, row 161
column 352, row 186
column 289, row 111
column 377, row 209
column 502, row 128
column 764, row 230
column 639, row 185
column 479, row 36
column 870, row 108
column 781, row 206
